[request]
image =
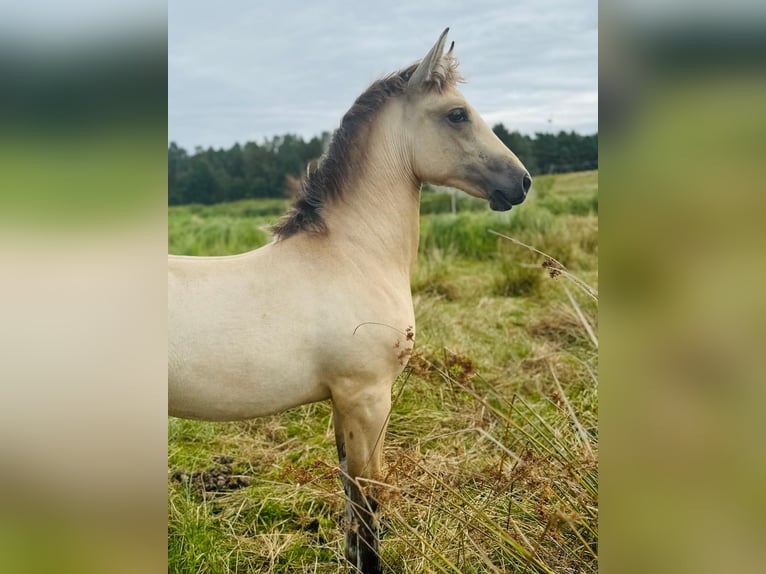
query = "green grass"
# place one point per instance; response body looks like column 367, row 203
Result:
column 93, row 179
column 492, row 445
column 222, row 229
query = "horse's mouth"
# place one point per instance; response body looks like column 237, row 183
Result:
column 500, row 200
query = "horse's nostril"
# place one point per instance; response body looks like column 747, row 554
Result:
column 526, row 182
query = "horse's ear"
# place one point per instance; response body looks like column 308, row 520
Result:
column 425, row 71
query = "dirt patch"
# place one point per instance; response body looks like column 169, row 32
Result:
column 225, row 476
column 458, row 367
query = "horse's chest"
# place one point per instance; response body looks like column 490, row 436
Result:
column 370, row 339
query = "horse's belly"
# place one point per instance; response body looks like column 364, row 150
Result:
column 238, row 389
column 237, row 370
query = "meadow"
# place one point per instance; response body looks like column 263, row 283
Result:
column 492, row 445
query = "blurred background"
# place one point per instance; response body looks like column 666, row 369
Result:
column 83, row 127
column 682, row 88
column 83, row 110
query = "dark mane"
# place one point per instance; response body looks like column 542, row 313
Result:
column 330, row 179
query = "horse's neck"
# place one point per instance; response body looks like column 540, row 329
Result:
column 379, row 217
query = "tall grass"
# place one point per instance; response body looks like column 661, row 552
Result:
column 492, row 445
column 191, row 234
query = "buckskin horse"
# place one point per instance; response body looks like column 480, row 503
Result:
column 325, row 310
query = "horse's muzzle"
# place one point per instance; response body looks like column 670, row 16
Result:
column 503, row 200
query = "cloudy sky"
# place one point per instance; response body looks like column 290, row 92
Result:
column 241, row 70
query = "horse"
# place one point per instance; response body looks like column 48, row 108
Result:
column 325, row 310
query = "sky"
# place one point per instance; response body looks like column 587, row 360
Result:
column 244, row 70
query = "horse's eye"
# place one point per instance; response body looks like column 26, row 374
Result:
column 457, row 115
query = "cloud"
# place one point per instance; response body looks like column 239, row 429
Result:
column 256, row 70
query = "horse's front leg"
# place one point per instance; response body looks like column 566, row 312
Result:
column 340, row 443
column 360, row 425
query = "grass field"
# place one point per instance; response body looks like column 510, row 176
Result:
column 492, row 444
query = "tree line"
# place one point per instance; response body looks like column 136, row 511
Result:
column 274, row 167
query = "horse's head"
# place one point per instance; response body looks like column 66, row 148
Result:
column 450, row 143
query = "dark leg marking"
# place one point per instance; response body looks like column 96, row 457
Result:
column 366, row 523
column 352, row 540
